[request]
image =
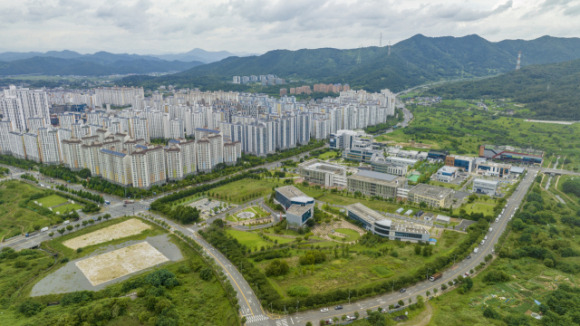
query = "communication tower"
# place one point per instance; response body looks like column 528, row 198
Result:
column 519, row 60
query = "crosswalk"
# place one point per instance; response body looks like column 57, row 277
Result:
column 256, row 318
column 282, row 322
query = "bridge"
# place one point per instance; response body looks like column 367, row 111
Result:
column 559, row 172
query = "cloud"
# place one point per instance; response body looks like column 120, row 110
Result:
column 155, row 26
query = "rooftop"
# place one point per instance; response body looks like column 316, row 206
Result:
column 431, row 191
column 369, row 215
column 408, row 227
column 321, row 166
column 298, row 209
column 488, row 182
column 107, row 151
column 376, row 177
column 290, row 192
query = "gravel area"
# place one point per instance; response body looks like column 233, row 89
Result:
column 70, row 278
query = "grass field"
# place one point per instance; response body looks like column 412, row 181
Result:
column 66, row 208
column 486, row 208
column 362, row 266
column 243, row 190
column 14, row 219
column 52, row 200
column 328, row 155
column 348, row 235
column 195, row 301
column 249, row 239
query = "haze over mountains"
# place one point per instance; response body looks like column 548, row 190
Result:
column 411, row 62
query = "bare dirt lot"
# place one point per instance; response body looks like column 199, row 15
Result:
column 113, row 232
column 111, row 265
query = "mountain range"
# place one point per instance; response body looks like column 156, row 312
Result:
column 200, row 55
column 97, row 64
column 411, row 62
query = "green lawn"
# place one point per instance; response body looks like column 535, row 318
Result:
column 244, row 190
column 349, row 235
column 52, row 200
column 249, row 239
column 15, row 219
column 328, row 155
column 479, row 207
column 66, row 208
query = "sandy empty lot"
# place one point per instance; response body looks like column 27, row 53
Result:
column 117, row 231
column 111, row 265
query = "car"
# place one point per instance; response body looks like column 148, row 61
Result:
column 403, row 290
column 324, row 310
column 339, row 307
column 468, row 257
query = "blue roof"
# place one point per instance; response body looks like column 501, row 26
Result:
column 208, row 130
column 141, row 146
column 174, row 141
column 432, row 240
column 107, row 151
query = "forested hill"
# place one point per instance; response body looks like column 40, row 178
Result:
column 550, row 91
column 411, row 62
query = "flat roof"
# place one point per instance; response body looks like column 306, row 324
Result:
column 373, row 176
column 517, row 169
column 446, row 168
column 369, row 215
column 323, row 167
column 488, row 182
column 108, row 151
column 431, row 191
column 290, row 192
column 408, row 227
column 208, row 130
column 298, row 209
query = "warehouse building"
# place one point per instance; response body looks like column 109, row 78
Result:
column 511, row 154
column 372, row 183
column 325, row 174
column 378, row 224
column 431, row 195
column 299, row 207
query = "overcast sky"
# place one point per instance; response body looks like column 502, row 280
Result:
column 256, row 26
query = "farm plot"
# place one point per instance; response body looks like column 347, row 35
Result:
column 112, row 265
column 113, row 232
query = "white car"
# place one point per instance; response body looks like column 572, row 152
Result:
column 324, row 310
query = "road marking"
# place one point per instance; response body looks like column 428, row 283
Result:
column 233, row 279
column 257, row 318
column 282, row 322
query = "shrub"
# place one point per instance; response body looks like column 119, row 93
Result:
column 29, row 308
column 278, row 267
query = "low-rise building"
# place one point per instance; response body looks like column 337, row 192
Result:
column 463, row 162
column 299, row 207
column 446, row 174
column 492, row 169
column 322, row 173
column 378, row 224
column 487, row 187
column 372, row 183
column 431, row 195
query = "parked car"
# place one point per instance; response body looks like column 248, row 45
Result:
column 339, row 307
column 403, row 290
column 468, row 257
column 324, row 310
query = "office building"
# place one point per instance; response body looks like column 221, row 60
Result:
column 446, row 174
column 371, row 183
column 378, row 224
column 322, row 173
column 511, row 154
column 299, row 207
column 492, row 169
column 431, row 195
column 486, row 187
column 462, row 162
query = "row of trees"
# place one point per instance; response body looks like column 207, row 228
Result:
column 82, row 193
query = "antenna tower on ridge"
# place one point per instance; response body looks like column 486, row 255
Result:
column 519, row 60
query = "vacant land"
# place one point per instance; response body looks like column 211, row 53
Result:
column 251, row 240
column 113, row 232
column 486, row 208
column 15, row 218
column 109, row 266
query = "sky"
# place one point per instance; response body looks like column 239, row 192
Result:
column 257, row 26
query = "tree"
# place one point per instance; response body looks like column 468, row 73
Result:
column 206, row 274
column 277, row 267
column 29, row 308
column 244, row 320
column 69, row 227
column 401, row 303
column 489, row 312
column 51, row 234
column 308, row 323
column 356, row 314
column 61, row 231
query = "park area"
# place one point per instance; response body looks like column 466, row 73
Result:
column 243, row 190
column 17, row 215
column 59, row 205
column 250, row 213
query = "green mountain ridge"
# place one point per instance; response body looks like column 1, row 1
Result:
column 550, row 91
column 411, row 62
